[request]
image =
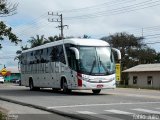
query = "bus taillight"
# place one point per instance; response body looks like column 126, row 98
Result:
column 79, row 78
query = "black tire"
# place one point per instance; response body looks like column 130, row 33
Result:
column 65, row 87
column 36, row 88
column 20, row 83
column 96, row 91
column 56, row 89
column 31, row 86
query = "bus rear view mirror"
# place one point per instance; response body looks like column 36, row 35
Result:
column 118, row 53
column 76, row 51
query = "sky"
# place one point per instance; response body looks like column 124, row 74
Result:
column 95, row 18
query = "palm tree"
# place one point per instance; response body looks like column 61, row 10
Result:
column 24, row 47
column 39, row 40
column 53, row 39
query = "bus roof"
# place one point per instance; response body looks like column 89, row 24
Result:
column 74, row 41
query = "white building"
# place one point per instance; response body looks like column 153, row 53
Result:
column 144, row 75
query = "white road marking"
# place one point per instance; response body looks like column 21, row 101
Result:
column 146, row 110
column 135, row 95
column 119, row 112
column 100, row 116
column 94, row 105
column 86, row 112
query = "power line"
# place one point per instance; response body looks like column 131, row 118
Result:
column 33, row 28
column 80, row 9
column 26, row 28
column 75, row 10
column 152, row 43
column 32, row 21
column 106, row 4
column 120, row 10
column 152, row 35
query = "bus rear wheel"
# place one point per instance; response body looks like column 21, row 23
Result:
column 96, row 91
column 31, row 86
column 65, row 87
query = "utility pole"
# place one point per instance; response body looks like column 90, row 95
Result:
column 60, row 20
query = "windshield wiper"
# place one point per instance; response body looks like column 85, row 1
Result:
column 93, row 64
column 102, row 64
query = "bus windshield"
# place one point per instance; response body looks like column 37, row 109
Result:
column 96, row 60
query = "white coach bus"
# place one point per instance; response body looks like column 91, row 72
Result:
column 70, row 64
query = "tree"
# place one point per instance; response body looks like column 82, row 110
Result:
column 86, row 36
column 124, row 40
column 158, row 58
column 7, row 9
column 132, row 48
column 25, row 47
column 6, row 32
column 37, row 41
column 53, row 39
column 147, row 56
column 125, row 43
column 140, row 56
column 40, row 40
column 18, row 54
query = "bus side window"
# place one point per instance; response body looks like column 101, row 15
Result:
column 44, row 56
column 31, row 58
column 36, row 56
column 72, row 60
column 25, row 58
column 54, row 54
column 49, row 54
column 61, row 55
column 22, row 59
column 28, row 58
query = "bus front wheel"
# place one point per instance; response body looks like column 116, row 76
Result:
column 96, row 91
column 56, row 89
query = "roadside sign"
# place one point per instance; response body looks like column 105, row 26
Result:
column 3, row 71
column 118, row 72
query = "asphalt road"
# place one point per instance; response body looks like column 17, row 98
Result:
column 118, row 104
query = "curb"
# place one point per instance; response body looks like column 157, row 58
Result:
column 74, row 116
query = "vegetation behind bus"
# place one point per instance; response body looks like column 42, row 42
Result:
column 133, row 49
